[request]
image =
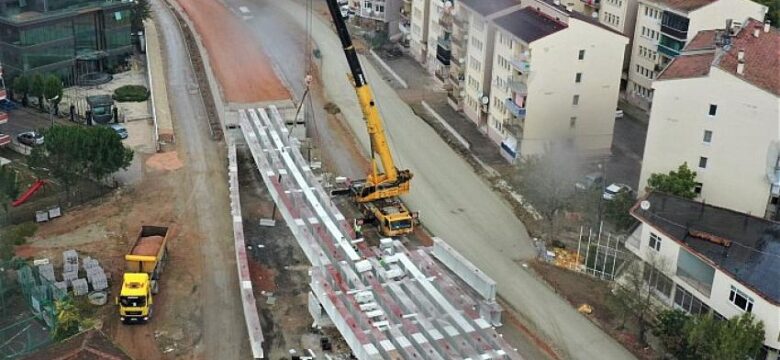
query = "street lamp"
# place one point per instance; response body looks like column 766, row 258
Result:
column 51, row 109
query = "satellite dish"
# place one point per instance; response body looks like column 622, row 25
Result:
column 645, row 205
column 448, row 5
column 485, row 100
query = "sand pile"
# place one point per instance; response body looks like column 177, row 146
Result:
column 165, row 161
column 147, row 246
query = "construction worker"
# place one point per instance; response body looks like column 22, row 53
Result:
column 358, row 228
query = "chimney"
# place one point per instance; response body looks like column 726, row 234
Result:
column 557, row 2
column 595, row 15
column 767, row 24
column 741, row 55
column 756, row 31
column 569, row 7
column 741, row 67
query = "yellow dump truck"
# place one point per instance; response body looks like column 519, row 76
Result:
column 141, row 280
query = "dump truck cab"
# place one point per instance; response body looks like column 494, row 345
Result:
column 135, row 299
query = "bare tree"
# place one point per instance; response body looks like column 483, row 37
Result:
column 547, row 181
column 633, row 293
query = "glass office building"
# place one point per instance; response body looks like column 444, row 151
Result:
column 75, row 39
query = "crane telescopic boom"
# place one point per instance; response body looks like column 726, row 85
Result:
column 378, row 185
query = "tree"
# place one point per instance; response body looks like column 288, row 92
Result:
column 774, row 10
column 709, row 338
column 140, row 11
column 617, row 210
column 547, row 182
column 9, row 186
column 67, row 319
column 21, row 86
column 52, row 90
column 681, row 182
column 71, row 153
column 633, row 293
column 37, row 88
column 669, row 327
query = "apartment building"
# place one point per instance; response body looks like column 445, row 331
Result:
column 70, row 38
column 380, row 15
column 620, row 15
column 555, row 78
column 476, row 64
column 663, row 27
column 5, row 139
column 418, row 39
column 717, row 107
column 710, row 259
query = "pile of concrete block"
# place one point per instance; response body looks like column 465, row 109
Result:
column 47, row 271
column 80, row 287
column 97, row 277
column 70, row 261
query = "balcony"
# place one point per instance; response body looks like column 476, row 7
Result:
column 404, row 27
column 446, row 20
column 670, row 52
column 524, row 66
column 5, row 139
column 460, row 20
column 674, row 25
column 695, row 272
column 519, row 87
column 3, row 94
column 592, row 3
column 3, row 118
column 514, row 109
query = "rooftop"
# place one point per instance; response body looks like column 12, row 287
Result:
column 745, row 246
column 686, row 5
column 487, row 7
column 762, row 56
column 529, row 24
column 88, row 345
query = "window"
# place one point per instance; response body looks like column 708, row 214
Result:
column 740, row 299
column 657, row 280
column 702, row 162
column 575, row 100
column 707, row 136
column 685, row 301
column 713, row 109
column 581, row 55
column 572, row 122
column 578, row 78
column 697, row 187
column 655, row 242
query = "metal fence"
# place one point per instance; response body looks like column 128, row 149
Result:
column 80, row 194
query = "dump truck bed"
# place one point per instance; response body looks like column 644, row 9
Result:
column 147, row 250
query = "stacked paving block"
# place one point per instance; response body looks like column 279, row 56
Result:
column 70, row 261
column 80, row 287
column 47, row 272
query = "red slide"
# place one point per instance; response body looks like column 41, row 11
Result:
column 35, row 186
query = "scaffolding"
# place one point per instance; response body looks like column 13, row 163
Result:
column 27, row 309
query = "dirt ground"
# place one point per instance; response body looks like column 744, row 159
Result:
column 243, row 70
column 579, row 289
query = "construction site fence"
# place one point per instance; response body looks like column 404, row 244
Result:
column 78, row 195
column 27, row 309
column 601, row 256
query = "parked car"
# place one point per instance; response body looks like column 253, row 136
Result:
column 613, row 190
column 30, row 138
column 589, row 181
column 120, row 130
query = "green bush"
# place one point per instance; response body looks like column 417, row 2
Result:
column 15, row 235
column 128, row 93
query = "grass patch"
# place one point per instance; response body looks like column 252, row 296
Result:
column 15, row 235
column 131, row 93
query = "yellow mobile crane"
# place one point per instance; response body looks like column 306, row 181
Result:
column 378, row 193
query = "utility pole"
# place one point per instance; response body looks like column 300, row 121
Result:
column 603, row 168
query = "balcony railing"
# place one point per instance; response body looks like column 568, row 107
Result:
column 404, row 27
column 675, row 33
column 591, row 3
column 670, row 52
column 445, row 20
column 518, row 87
column 5, row 139
column 3, row 118
column 444, row 43
column 522, row 65
column 693, row 282
column 514, row 109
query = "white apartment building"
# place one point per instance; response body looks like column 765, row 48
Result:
column 620, row 15
column 718, row 109
column 380, row 15
column 711, row 259
column 418, row 38
column 473, row 64
column 663, row 27
column 555, row 78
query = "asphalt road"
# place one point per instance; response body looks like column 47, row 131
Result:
column 224, row 332
column 457, row 205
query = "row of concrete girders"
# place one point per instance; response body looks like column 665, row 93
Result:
column 374, row 316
